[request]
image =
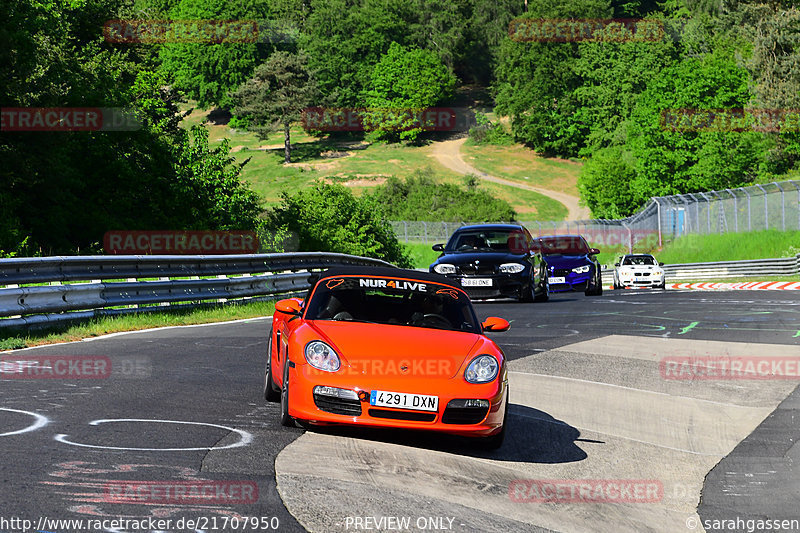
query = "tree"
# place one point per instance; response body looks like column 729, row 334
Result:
column 403, row 83
column 328, row 218
column 208, row 71
column 536, row 81
column 276, row 95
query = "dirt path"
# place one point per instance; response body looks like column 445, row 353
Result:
column 448, row 153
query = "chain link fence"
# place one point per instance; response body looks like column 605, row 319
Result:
column 665, row 218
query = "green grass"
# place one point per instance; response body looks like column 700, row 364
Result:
column 523, row 165
column 12, row 339
column 731, row 247
column 421, row 254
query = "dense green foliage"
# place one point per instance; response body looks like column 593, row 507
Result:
column 63, row 190
column 405, row 80
column 421, row 197
column 329, row 218
column 604, row 100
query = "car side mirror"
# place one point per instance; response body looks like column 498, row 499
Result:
column 494, row 323
column 661, row 264
column 438, row 247
column 594, row 251
column 616, row 264
column 289, row 306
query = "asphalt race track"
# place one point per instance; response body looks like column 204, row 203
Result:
column 178, row 410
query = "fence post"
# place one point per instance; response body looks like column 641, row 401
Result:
column 405, row 230
column 735, row 211
column 766, row 207
column 425, row 229
column 783, row 206
column 749, row 217
column 658, row 214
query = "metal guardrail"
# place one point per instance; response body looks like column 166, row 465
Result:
column 76, row 283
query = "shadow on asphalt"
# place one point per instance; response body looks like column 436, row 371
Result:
column 532, row 436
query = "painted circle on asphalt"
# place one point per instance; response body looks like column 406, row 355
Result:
column 40, row 421
column 245, row 438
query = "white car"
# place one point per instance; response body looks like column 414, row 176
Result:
column 638, row 270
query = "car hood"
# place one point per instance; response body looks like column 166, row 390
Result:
column 566, row 261
column 461, row 258
column 386, row 347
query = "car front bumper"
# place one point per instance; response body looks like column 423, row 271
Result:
column 502, row 285
column 572, row 282
column 306, row 406
column 641, row 281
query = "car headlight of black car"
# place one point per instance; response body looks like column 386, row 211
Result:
column 444, row 268
column 511, row 268
column 582, row 269
column 482, row 369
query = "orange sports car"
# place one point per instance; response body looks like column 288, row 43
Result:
column 387, row 347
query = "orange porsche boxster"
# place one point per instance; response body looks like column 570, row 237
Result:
column 387, row 347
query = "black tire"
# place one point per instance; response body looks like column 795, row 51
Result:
column 545, row 294
column 286, row 419
column 495, row 441
column 271, row 391
column 527, row 294
column 595, row 289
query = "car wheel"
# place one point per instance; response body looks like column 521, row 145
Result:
column 544, row 295
column 271, row 391
column 496, row 441
column 527, row 294
column 595, row 289
column 286, row 419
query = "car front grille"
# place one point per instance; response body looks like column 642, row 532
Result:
column 464, row 415
column 476, row 270
column 413, row 416
column 337, row 406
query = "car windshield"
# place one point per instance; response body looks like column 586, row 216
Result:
column 392, row 301
column 639, row 260
column 566, row 245
column 508, row 241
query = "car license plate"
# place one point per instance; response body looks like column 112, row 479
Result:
column 476, row 282
column 557, row 280
column 402, row 400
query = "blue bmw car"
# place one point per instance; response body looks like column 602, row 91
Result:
column 571, row 264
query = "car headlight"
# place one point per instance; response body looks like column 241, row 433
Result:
column 511, row 268
column 625, row 272
column 444, row 268
column 482, row 369
column 581, row 270
column 322, row 357
column 658, row 272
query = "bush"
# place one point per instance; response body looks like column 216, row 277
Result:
column 421, row 197
column 488, row 133
column 328, row 218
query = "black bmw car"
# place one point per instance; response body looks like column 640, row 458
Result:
column 494, row 261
